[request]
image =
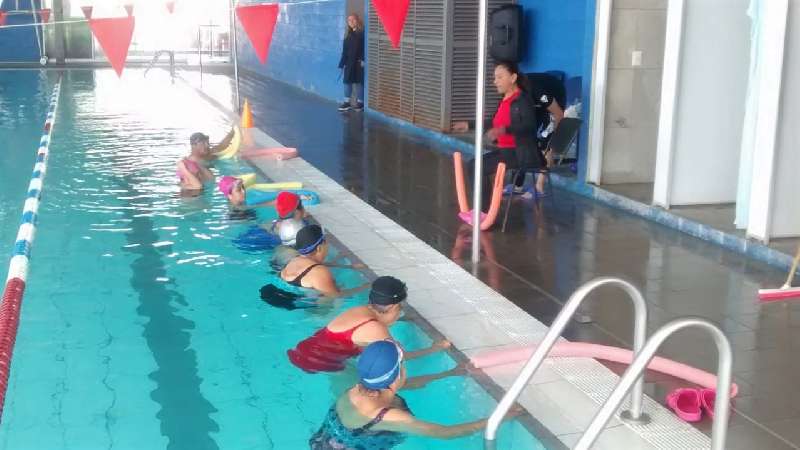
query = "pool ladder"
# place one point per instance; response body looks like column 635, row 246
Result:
column 157, row 56
column 633, row 378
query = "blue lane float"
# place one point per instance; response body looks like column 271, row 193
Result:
column 255, row 197
column 256, row 239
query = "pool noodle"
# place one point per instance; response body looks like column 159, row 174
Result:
column 465, row 214
column 279, row 153
column 277, row 186
column 604, row 352
column 233, row 147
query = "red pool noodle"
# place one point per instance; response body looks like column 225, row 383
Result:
column 606, row 353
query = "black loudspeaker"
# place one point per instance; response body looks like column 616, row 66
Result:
column 505, row 33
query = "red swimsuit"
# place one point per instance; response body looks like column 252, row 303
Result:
column 326, row 350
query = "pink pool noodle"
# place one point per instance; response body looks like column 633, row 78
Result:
column 606, row 353
column 278, row 153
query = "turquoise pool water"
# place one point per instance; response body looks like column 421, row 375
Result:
column 141, row 326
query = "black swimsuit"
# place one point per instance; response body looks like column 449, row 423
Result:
column 297, row 281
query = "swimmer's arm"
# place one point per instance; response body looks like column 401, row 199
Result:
column 323, row 282
column 226, row 141
column 346, row 292
column 403, row 422
column 437, row 346
column 423, row 380
column 190, row 181
column 205, row 172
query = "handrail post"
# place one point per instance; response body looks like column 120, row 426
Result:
column 637, row 367
column 560, row 322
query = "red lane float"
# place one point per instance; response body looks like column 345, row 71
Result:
column 277, row 153
column 606, row 353
column 9, row 322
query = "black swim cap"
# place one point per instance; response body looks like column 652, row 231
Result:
column 309, row 238
column 387, row 291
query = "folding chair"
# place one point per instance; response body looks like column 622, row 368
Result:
column 559, row 144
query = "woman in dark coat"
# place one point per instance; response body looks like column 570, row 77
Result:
column 513, row 133
column 352, row 63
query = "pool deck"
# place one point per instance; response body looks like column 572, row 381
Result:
column 564, row 394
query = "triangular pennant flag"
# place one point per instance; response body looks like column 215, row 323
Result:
column 2, row 17
column 87, row 12
column 114, row 35
column 258, row 22
column 171, row 7
column 392, row 14
column 45, row 15
column 129, row 8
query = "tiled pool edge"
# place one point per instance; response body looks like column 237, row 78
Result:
column 580, row 383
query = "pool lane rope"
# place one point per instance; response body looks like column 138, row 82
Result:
column 18, row 267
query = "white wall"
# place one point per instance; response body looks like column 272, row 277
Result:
column 710, row 102
column 785, row 205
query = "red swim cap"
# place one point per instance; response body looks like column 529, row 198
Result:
column 286, row 203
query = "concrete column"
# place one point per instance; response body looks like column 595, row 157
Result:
column 58, row 50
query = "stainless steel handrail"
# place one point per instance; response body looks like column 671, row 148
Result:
column 635, row 371
column 157, row 56
column 570, row 308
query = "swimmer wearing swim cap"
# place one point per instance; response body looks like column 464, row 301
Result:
column 308, row 268
column 372, row 415
column 234, row 190
column 356, row 328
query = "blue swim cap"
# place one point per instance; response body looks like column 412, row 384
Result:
column 379, row 365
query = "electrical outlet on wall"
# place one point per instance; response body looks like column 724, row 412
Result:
column 636, row 58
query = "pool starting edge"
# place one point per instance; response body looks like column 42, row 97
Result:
column 18, row 267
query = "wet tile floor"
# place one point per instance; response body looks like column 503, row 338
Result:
column 553, row 246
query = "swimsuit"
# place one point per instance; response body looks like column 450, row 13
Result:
column 191, row 166
column 298, row 279
column 333, row 435
column 326, row 350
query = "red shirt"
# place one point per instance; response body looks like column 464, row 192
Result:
column 502, row 118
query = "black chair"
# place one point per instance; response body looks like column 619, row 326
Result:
column 559, row 144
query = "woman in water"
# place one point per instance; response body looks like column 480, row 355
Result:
column 192, row 171
column 344, row 337
column 308, row 270
column 371, row 416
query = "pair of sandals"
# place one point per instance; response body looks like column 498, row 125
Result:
column 689, row 403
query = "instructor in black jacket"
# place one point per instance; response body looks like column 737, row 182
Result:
column 512, row 132
column 352, row 64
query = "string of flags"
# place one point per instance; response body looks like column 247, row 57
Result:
column 114, row 34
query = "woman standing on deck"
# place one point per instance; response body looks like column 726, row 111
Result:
column 352, row 63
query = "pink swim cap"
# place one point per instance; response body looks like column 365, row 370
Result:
column 226, row 184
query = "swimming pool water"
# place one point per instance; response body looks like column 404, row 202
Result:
column 142, row 326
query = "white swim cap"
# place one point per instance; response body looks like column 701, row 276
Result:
column 287, row 230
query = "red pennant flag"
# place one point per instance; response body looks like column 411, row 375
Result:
column 129, row 8
column 87, row 12
column 2, row 17
column 171, row 7
column 393, row 17
column 258, row 22
column 114, row 35
column 44, row 14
